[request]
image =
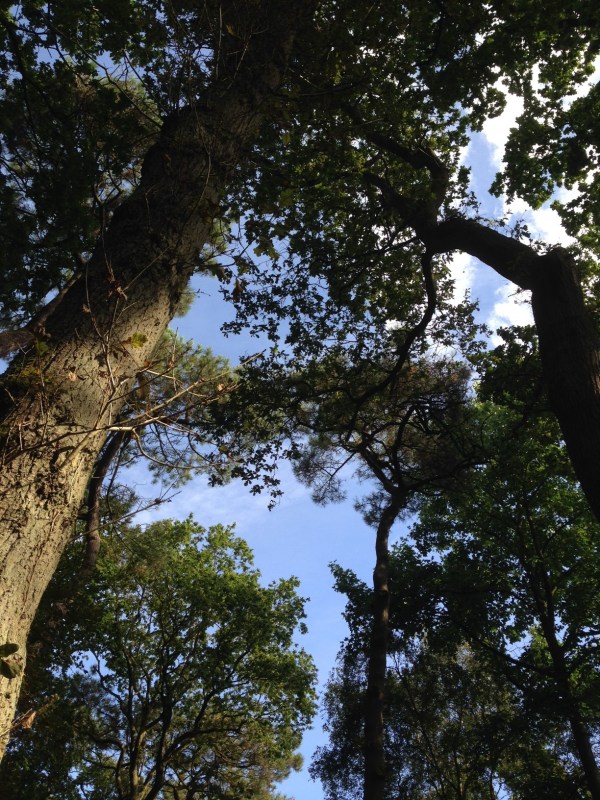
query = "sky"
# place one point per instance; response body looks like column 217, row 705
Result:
column 302, row 539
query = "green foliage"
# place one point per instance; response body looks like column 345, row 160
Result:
column 175, row 419
column 453, row 728
column 85, row 91
column 178, row 672
column 378, row 90
column 362, row 156
column 492, row 657
column 72, row 142
column 518, row 557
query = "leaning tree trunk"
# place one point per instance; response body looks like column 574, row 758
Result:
column 568, row 339
column 59, row 401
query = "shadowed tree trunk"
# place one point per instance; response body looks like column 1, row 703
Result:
column 568, row 340
column 375, row 777
column 58, row 405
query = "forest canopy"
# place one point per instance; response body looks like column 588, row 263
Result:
column 311, row 156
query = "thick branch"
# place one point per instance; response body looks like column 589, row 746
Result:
column 568, row 339
column 515, row 261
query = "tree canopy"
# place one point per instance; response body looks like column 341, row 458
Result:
column 312, row 156
column 494, row 591
column 174, row 674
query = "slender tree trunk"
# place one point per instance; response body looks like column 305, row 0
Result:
column 579, row 730
column 92, row 515
column 56, row 407
column 542, row 591
column 375, row 770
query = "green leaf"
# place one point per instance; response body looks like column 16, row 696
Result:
column 286, row 198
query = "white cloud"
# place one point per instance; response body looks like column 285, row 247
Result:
column 544, row 223
column 462, row 271
column 496, row 130
column 223, row 504
column 513, row 307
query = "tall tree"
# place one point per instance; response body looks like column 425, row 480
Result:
column 409, row 437
column 408, row 440
column 176, row 675
column 455, row 728
column 372, row 180
column 507, row 567
column 520, row 576
column 61, row 399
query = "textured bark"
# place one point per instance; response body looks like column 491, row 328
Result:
column 375, row 774
column 569, row 343
column 57, row 407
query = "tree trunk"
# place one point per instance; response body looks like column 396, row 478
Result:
column 579, row 730
column 58, row 403
column 542, row 592
column 569, row 342
column 375, row 771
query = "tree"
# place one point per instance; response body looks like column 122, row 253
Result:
column 61, row 399
column 402, row 426
column 384, row 402
column 464, row 717
column 357, row 172
column 175, row 677
column 373, row 182
column 520, row 575
column 410, row 438
column 501, row 563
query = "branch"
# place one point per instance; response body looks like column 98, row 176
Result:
column 92, row 516
column 419, row 329
column 20, row 338
column 515, row 261
column 421, row 157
